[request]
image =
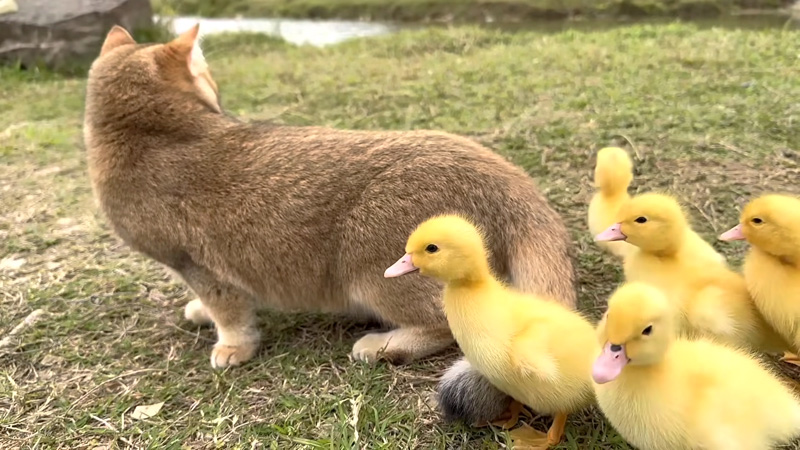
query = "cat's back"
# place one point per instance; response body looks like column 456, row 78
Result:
column 437, row 170
column 390, row 173
column 384, row 151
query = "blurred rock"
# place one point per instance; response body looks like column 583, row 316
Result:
column 56, row 33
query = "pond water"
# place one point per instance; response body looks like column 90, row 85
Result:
column 754, row 21
column 299, row 32
column 328, row 32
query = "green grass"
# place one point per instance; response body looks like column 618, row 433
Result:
column 461, row 10
column 711, row 115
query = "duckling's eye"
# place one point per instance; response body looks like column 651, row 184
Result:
column 647, row 330
column 640, row 220
column 431, row 248
column 757, row 220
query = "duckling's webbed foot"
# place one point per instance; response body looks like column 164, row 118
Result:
column 528, row 438
column 556, row 431
column 507, row 420
column 513, row 410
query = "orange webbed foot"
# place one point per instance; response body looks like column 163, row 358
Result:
column 528, row 438
column 508, row 419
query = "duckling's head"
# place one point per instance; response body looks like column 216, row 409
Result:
column 653, row 222
column 772, row 224
column 448, row 248
column 636, row 329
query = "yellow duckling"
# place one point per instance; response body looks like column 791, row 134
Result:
column 663, row 393
column 613, row 173
column 771, row 224
column 534, row 349
column 712, row 299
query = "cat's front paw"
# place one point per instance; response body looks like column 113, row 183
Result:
column 392, row 346
column 370, row 347
column 232, row 355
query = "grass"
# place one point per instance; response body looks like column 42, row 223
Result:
column 461, row 10
column 711, row 115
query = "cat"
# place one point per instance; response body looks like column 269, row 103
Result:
column 259, row 215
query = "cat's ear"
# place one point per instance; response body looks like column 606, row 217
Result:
column 187, row 47
column 116, row 37
column 185, row 55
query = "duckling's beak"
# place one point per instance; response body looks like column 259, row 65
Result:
column 612, row 233
column 734, row 234
column 609, row 364
column 401, row 267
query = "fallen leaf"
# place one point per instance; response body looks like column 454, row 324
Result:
column 791, row 358
column 51, row 360
column 432, row 401
column 11, row 263
column 157, row 297
column 52, row 266
column 528, row 438
column 146, row 411
column 68, row 231
column 47, row 171
column 65, row 221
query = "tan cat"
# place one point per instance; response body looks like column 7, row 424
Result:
column 297, row 218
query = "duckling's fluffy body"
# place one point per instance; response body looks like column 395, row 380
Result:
column 775, row 287
column 535, row 350
column 530, row 347
column 702, row 396
column 680, row 394
column 712, row 300
column 771, row 224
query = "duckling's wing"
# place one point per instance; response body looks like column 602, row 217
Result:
column 530, row 352
column 702, row 250
column 707, row 310
column 717, row 311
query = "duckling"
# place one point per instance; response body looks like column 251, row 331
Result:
column 661, row 392
column 771, row 224
column 532, row 348
column 712, row 299
column 612, row 177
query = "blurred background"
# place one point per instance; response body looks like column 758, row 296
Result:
column 702, row 93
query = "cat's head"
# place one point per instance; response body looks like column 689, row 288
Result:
column 129, row 72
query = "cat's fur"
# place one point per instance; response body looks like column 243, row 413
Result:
column 297, row 218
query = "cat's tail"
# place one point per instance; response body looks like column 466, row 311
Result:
column 464, row 394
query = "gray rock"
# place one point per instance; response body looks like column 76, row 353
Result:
column 65, row 32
